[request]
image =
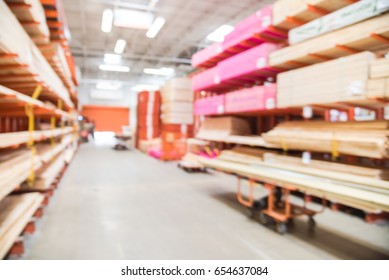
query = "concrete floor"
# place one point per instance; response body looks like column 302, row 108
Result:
column 126, row 205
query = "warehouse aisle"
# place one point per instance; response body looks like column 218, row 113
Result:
column 126, row 205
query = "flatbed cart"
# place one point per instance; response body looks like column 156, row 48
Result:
column 123, row 142
column 277, row 206
column 190, row 166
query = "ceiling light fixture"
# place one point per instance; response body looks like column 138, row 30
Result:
column 120, row 46
column 108, row 86
column 218, row 34
column 157, row 25
column 114, row 68
column 153, row 3
column 141, row 87
column 161, row 71
column 133, row 19
column 111, row 58
column 106, row 23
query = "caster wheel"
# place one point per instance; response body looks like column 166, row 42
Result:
column 311, row 223
column 281, row 228
column 250, row 212
column 263, row 219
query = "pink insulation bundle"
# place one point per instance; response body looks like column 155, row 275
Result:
column 209, row 106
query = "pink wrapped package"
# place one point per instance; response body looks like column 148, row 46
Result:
column 209, row 106
column 155, row 152
column 254, row 30
column 251, row 99
column 206, row 80
column 207, row 57
column 249, row 65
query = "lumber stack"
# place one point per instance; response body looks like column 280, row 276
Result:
column 219, row 128
column 15, row 212
column 368, row 35
column 365, row 139
column 364, row 197
column 290, row 13
column 32, row 17
column 148, row 116
column 346, row 16
column 378, row 84
column 20, row 57
column 340, row 80
column 177, row 102
column 17, row 138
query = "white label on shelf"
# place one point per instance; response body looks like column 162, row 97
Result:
column 355, row 88
column 216, row 80
column 220, row 109
column 184, row 128
column 306, row 158
column 261, row 62
column 219, row 49
column 266, row 21
column 270, row 103
column 307, row 112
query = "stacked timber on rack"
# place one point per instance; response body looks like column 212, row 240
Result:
column 288, row 14
column 217, row 129
column 31, row 15
column 368, row 195
column 148, row 116
column 340, row 80
column 378, row 85
column 368, row 35
column 23, row 66
column 15, row 213
column 364, row 139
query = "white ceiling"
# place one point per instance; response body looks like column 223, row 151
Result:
column 188, row 22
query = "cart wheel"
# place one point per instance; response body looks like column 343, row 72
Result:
column 250, row 212
column 311, row 223
column 281, row 228
column 263, row 218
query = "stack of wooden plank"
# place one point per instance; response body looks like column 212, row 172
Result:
column 291, row 13
column 148, row 116
column 368, row 35
column 31, row 15
column 365, row 197
column 15, row 213
column 177, row 102
column 378, row 85
column 346, row 16
column 20, row 58
column 17, row 138
column 219, row 128
column 340, row 80
column 365, row 139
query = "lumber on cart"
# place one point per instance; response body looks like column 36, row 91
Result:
column 290, row 13
column 360, row 196
column 341, row 80
column 346, row 16
column 15, row 213
column 365, row 139
column 376, row 173
column 32, row 17
column 369, row 35
column 16, row 166
column 17, row 138
column 21, row 58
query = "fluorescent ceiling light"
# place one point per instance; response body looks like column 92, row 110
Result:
column 153, row 3
column 133, row 19
column 115, row 68
column 161, row 71
column 106, row 24
column 218, row 34
column 111, row 58
column 120, row 46
column 145, row 87
column 158, row 23
column 108, row 86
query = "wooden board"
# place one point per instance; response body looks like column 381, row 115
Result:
column 340, row 80
column 221, row 127
column 330, row 138
column 366, row 199
column 379, row 68
column 283, row 10
column 357, row 37
column 15, row 212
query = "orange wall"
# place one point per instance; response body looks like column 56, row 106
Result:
column 107, row 118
